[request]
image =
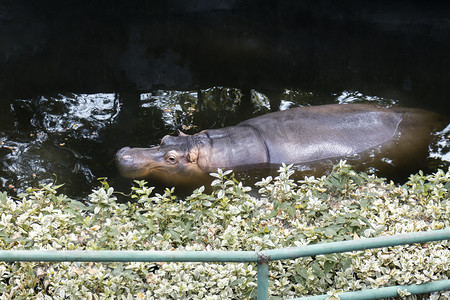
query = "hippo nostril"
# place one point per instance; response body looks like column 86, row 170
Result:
column 123, row 157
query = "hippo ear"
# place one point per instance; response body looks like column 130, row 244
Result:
column 192, row 156
column 181, row 133
column 169, row 140
column 164, row 139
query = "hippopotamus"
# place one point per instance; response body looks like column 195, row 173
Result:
column 301, row 135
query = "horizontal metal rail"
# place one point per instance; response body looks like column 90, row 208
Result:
column 261, row 257
column 222, row 256
column 386, row 292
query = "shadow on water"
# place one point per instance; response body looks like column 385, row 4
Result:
column 79, row 81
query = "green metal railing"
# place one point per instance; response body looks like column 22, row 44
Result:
column 262, row 258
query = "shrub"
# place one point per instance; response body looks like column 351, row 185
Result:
column 342, row 206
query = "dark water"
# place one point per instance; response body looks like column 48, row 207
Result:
column 72, row 138
column 80, row 80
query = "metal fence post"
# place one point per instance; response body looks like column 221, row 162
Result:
column 262, row 290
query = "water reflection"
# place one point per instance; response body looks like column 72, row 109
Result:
column 50, row 138
column 354, row 96
column 441, row 149
column 177, row 107
column 72, row 138
column 296, row 98
column 78, row 116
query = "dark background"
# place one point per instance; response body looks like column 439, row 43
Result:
column 395, row 48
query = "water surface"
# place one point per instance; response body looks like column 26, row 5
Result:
column 72, row 138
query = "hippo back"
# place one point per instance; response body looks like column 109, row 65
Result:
column 320, row 132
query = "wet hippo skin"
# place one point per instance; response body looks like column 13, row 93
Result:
column 295, row 136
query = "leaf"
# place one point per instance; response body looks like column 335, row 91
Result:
column 302, row 272
column 346, row 263
column 187, row 228
column 174, row 235
column 317, row 269
column 329, row 232
column 207, row 203
column 328, row 266
column 77, row 205
column 300, row 280
column 216, row 182
column 292, row 211
column 355, row 223
column 447, row 185
column 272, row 214
column 215, row 175
column 364, row 203
column 238, row 281
column 227, row 172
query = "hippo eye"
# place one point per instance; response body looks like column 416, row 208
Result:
column 171, row 159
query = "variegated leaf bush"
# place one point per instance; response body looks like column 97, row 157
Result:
column 344, row 205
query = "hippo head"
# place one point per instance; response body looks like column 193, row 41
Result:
column 175, row 162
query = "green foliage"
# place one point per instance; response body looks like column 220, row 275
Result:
column 342, row 206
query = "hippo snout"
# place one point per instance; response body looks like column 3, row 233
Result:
column 123, row 157
column 137, row 162
column 122, row 151
column 128, row 163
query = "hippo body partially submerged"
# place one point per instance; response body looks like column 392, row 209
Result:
column 296, row 136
